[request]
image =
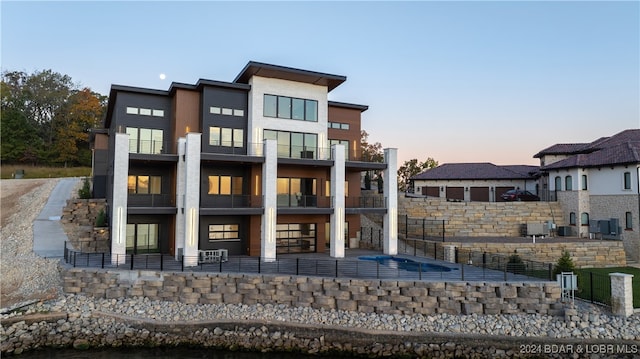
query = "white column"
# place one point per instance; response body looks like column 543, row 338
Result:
column 192, row 198
column 390, row 188
column 181, row 179
column 119, row 199
column 270, row 194
column 337, row 192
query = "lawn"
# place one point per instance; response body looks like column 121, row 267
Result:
column 599, row 284
column 8, row 171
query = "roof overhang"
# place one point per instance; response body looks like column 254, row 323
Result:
column 288, row 73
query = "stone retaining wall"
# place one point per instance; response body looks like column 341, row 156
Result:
column 585, row 253
column 79, row 220
column 388, row 297
column 481, row 219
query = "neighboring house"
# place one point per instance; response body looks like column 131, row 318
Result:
column 474, row 181
column 597, row 182
column 260, row 166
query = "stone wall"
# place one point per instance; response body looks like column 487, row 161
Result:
column 585, row 253
column 481, row 219
column 606, row 207
column 368, row 296
column 79, row 219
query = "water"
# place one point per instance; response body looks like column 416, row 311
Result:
column 155, row 353
column 407, row 264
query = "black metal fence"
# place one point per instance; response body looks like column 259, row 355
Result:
column 421, row 228
column 594, row 287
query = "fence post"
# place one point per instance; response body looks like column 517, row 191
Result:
column 336, row 268
column 621, row 294
column 423, row 229
column 131, row 261
column 456, row 260
column 259, row 265
column 102, row 263
column 550, row 271
column 462, row 270
column 443, row 230
column 406, row 226
column 297, row 265
column 484, row 259
column 74, row 259
column 591, row 286
column 182, row 264
column 161, row 262
column 419, row 270
column 377, row 270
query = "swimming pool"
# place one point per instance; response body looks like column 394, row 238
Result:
column 406, row 264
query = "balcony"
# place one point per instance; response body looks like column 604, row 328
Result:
column 359, row 205
column 231, row 204
column 151, row 150
column 151, row 203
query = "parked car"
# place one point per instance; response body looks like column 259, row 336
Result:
column 519, row 195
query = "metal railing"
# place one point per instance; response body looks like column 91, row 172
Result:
column 421, row 228
column 365, row 202
column 232, row 201
column 295, row 200
column 594, row 287
column 152, row 147
column 150, row 200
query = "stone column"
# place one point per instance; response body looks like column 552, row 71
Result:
column 180, row 192
column 270, row 194
column 621, row 294
column 449, row 253
column 390, row 189
column 119, row 199
column 337, row 192
column 192, row 199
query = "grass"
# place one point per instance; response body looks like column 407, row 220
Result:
column 602, row 285
column 8, row 171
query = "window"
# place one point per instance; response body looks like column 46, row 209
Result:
column 584, row 182
column 290, row 108
column 145, row 140
column 338, row 125
column 558, row 183
column 294, row 144
column 142, row 238
column 572, row 218
column 295, row 238
column 627, row 180
column 345, row 143
column 225, row 185
column 568, row 183
column 215, row 110
column 226, row 111
column 628, row 220
column 296, row 192
column 224, row 232
column 144, row 184
column 584, row 219
column 226, row 137
column 145, row 111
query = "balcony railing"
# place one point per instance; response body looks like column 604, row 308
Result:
column 232, row 201
column 304, row 201
column 150, row 147
column 365, row 202
column 151, row 200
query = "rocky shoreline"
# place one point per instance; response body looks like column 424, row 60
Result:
column 86, row 322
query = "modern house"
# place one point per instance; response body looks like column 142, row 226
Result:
column 597, row 184
column 260, row 166
column 475, row 181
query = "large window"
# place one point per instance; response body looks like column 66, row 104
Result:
column 224, row 232
column 558, row 183
column 144, row 184
column 290, row 108
column 628, row 220
column 327, row 189
column 584, row 182
column 226, row 137
column 584, row 218
column 627, row 180
column 142, row 238
column 297, row 192
column 225, row 185
column 294, row 144
column 145, row 140
column 572, row 218
column 295, row 238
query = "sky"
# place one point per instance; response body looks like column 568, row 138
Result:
column 457, row 81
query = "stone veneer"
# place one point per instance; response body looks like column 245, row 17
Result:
column 481, row 219
column 585, row 253
column 362, row 295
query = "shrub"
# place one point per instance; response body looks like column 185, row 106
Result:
column 564, row 264
column 85, row 191
column 515, row 264
column 101, row 219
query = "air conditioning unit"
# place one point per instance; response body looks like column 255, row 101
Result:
column 565, row 231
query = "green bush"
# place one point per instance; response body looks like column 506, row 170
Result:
column 515, row 264
column 101, row 219
column 85, row 191
column 564, row 264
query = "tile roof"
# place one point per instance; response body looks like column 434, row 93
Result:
column 477, row 171
column 619, row 149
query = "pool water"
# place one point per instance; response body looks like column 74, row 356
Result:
column 406, row 264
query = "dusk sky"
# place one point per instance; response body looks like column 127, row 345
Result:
column 457, row 81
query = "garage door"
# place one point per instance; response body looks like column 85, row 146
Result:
column 480, row 194
column 455, row 193
column 500, row 191
column 431, row 191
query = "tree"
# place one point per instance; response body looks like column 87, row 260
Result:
column 371, row 152
column 411, row 168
